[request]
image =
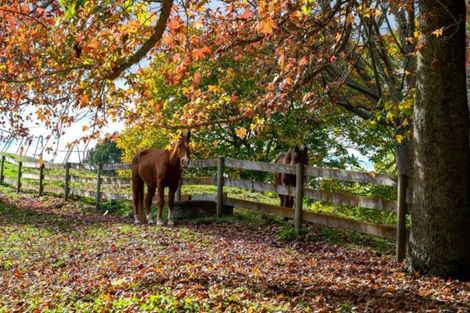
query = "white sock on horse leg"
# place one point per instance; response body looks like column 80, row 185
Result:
column 170, row 218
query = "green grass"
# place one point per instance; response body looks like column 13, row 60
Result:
column 288, row 233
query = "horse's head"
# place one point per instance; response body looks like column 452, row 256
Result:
column 300, row 155
column 182, row 149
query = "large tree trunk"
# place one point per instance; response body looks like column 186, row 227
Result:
column 441, row 211
column 404, row 157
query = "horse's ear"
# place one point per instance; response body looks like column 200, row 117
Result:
column 305, row 149
column 189, row 134
column 297, row 150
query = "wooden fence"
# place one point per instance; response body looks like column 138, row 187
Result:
column 398, row 233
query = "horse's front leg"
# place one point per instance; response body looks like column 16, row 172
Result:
column 171, row 204
column 160, row 204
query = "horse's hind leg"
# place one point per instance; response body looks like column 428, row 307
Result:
column 160, row 204
column 148, row 203
column 171, row 204
column 138, row 197
column 291, row 202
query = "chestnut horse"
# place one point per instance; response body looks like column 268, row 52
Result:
column 158, row 169
column 292, row 157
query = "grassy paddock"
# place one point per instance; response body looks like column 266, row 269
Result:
column 361, row 214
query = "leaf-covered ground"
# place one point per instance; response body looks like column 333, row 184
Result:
column 57, row 257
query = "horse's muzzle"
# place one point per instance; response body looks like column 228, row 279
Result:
column 184, row 163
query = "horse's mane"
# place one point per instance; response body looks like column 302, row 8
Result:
column 144, row 152
column 287, row 155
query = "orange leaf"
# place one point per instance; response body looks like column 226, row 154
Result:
column 199, row 24
column 241, row 132
column 303, row 61
column 197, row 79
column 201, row 52
column 84, row 100
column 267, row 26
column 247, row 14
column 212, row 88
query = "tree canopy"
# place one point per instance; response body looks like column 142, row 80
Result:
column 105, row 152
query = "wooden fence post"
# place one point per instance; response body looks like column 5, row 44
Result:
column 401, row 217
column 299, row 196
column 2, row 169
column 18, row 181
column 67, row 181
column 41, row 179
column 220, row 186
column 98, row 186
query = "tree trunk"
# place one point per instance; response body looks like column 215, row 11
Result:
column 441, row 210
column 404, row 157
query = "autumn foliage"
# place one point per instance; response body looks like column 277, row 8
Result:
column 62, row 61
column 81, row 261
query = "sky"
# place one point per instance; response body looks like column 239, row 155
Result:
column 71, row 134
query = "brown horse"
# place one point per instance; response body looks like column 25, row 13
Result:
column 292, row 157
column 158, row 169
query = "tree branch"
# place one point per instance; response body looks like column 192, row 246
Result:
column 32, row 78
column 354, row 85
column 147, row 46
column 26, row 15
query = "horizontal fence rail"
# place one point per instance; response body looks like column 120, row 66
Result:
column 203, row 163
column 313, row 171
column 260, row 166
column 313, row 194
column 220, row 181
column 353, row 176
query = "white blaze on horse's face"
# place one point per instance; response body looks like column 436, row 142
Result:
column 184, row 151
column 184, row 161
